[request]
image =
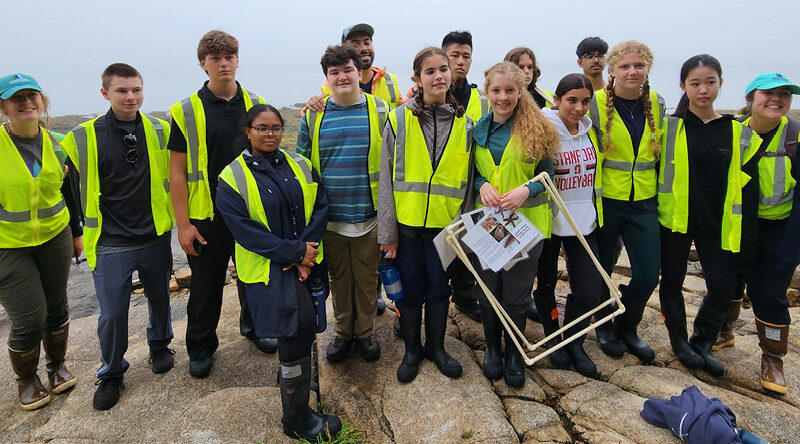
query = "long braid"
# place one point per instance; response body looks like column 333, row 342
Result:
column 655, row 146
column 609, row 148
column 419, row 98
column 451, row 99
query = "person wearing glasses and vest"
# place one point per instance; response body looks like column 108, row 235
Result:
column 769, row 97
column 707, row 192
column 627, row 120
column 204, row 128
column 343, row 143
column 123, row 164
column 36, row 244
column 424, row 179
column 276, row 209
column 513, row 144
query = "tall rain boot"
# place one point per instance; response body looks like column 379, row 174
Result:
column 514, row 371
column 726, row 337
column 435, row 326
column 606, row 336
column 410, row 325
column 626, row 324
column 55, row 350
column 548, row 315
column 493, row 331
column 580, row 360
column 32, row 393
column 299, row 420
column 706, row 328
column 773, row 340
column 674, row 312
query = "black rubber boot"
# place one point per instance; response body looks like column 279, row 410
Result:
column 706, row 328
column 299, row 420
column 396, row 327
column 514, row 371
column 582, row 363
column 546, row 303
column 411, row 323
column 533, row 312
column 625, row 326
column 435, row 326
column 493, row 331
column 463, row 284
column 674, row 311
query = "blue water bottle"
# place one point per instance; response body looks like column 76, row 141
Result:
column 318, row 295
column 390, row 278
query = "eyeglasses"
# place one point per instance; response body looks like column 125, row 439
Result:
column 265, row 130
column 24, row 97
column 132, row 155
column 590, row 57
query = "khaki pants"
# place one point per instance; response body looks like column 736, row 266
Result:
column 353, row 269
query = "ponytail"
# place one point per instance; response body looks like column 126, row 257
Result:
column 683, row 106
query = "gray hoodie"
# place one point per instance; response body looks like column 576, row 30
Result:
column 439, row 117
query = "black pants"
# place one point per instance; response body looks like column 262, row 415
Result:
column 585, row 281
column 511, row 288
column 299, row 346
column 766, row 286
column 208, row 278
column 719, row 267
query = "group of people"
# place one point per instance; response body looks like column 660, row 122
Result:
column 375, row 174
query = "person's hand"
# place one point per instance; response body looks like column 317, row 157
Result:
column 316, row 104
column 390, row 250
column 186, row 236
column 311, row 254
column 77, row 246
column 515, row 198
column 302, row 271
column 489, row 195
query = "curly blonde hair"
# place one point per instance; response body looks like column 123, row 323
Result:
column 619, row 51
column 537, row 135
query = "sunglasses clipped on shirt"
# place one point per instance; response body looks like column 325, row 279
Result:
column 132, row 155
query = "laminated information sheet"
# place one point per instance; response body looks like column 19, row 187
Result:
column 499, row 237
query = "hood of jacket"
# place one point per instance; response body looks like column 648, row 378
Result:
column 584, row 125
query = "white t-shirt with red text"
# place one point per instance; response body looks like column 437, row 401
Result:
column 574, row 166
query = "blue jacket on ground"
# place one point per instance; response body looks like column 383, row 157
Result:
column 274, row 306
column 693, row 418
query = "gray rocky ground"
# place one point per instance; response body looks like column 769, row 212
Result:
column 239, row 402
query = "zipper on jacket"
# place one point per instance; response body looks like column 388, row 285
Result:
column 433, row 167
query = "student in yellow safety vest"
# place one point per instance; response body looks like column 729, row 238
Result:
column 36, row 245
column 514, row 143
column 123, row 164
column 627, row 120
column 276, row 209
column 706, row 195
column 769, row 97
column 526, row 60
column 203, row 130
column 424, row 179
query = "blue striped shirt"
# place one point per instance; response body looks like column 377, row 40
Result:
column 343, row 158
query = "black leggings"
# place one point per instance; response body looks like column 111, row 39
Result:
column 718, row 265
column 585, row 281
column 299, row 346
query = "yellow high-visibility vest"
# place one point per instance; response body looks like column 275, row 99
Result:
column 673, row 182
column 252, row 267
column 81, row 146
column 191, row 119
column 32, row 209
column 377, row 112
column 424, row 197
column 775, row 182
column 621, row 170
column 477, row 106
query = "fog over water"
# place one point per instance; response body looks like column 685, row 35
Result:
column 66, row 44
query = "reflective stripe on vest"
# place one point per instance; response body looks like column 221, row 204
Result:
column 32, row 209
column 477, row 106
column 192, row 122
column 441, row 201
column 390, row 85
